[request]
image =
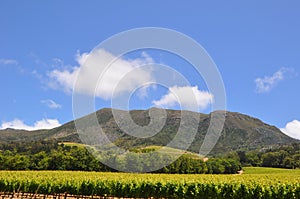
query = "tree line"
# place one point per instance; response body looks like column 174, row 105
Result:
column 52, row 155
column 284, row 156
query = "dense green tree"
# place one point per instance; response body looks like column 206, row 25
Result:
column 215, row 166
column 281, row 156
column 18, row 162
column 289, row 163
column 54, row 156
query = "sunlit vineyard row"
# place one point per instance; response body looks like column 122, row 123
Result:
column 284, row 184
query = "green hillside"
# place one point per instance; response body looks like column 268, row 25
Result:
column 241, row 132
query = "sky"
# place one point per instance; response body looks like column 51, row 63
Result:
column 44, row 44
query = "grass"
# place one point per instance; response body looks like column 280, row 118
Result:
column 270, row 171
column 71, row 144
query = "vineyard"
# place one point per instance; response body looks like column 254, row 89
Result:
column 254, row 183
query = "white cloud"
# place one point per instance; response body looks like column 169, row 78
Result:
column 292, row 129
column 37, row 75
column 8, row 61
column 266, row 83
column 98, row 60
column 41, row 124
column 63, row 80
column 51, row 104
column 57, row 62
column 186, row 96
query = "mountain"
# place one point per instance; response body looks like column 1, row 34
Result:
column 240, row 132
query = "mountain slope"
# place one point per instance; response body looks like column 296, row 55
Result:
column 240, row 131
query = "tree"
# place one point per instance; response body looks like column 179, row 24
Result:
column 19, row 162
column 289, row 163
column 37, row 161
column 215, row 166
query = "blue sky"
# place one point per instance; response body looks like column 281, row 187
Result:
column 255, row 45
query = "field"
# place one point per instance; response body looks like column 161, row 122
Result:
column 254, row 183
column 273, row 171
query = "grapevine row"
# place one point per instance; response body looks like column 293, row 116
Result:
column 151, row 185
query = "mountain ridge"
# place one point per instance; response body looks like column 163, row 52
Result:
column 240, row 132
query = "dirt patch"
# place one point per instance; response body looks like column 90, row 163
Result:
column 240, row 172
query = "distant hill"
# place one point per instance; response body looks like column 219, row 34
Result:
column 241, row 132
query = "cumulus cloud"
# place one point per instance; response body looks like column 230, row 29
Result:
column 112, row 74
column 186, row 96
column 8, row 61
column 292, row 129
column 41, row 124
column 51, row 104
column 266, row 83
column 63, row 80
